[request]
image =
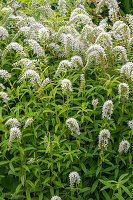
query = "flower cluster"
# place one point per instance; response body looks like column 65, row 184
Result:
column 130, row 124
column 77, row 62
column 107, row 109
column 4, row 74
column 74, row 178
column 4, row 96
column 32, row 75
column 127, row 70
column 28, row 122
column 3, row 33
column 82, row 83
column 123, row 90
column 73, row 125
column 2, row 86
column 64, row 65
column 55, row 198
column 104, row 137
column 15, row 133
column 94, row 103
column 15, row 46
column 37, row 49
column 13, row 122
column 97, row 54
column 124, row 146
column 45, row 82
column 66, row 86
column 121, row 52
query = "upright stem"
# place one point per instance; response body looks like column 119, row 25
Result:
column 67, row 105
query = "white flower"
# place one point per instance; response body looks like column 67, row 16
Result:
column 3, row 33
column 95, row 53
column 130, row 20
column 31, row 161
column 107, row 109
column 94, row 103
column 2, row 86
column 76, row 62
column 104, row 137
column 132, row 76
column 43, row 34
column 112, row 8
column 55, row 198
column 28, row 122
column 130, row 124
column 82, row 83
column 4, row 74
column 15, row 133
column 121, row 31
column 35, row 46
column 104, row 40
column 62, row 7
column 121, row 52
column 23, row 30
column 64, row 65
column 32, row 75
column 7, row 10
column 45, row 82
column 26, row 63
column 15, row 46
column 13, row 122
column 73, row 125
column 124, row 146
column 127, row 70
column 86, row 33
column 66, row 86
column 4, row 96
column 74, row 178
column 69, row 44
column 123, row 90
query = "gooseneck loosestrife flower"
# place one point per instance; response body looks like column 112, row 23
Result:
column 73, row 125
column 55, row 198
column 15, row 46
column 126, row 70
column 123, row 90
column 4, row 74
column 32, row 75
column 66, row 86
column 123, row 146
column 94, row 103
column 107, row 110
column 13, row 122
column 4, row 96
column 74, row 178
column 104, row 137
column 28, row 122
column 130, row 124
column 15, row 133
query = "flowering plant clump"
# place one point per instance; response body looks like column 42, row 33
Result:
column 66, row 100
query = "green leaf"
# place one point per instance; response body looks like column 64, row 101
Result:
column 41, row 196
column 119, row 196
column 126, row 190
column 83, row 167
column 94, row 186
column 28, row 195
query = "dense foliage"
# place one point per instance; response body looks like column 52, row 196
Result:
column 66, row 100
